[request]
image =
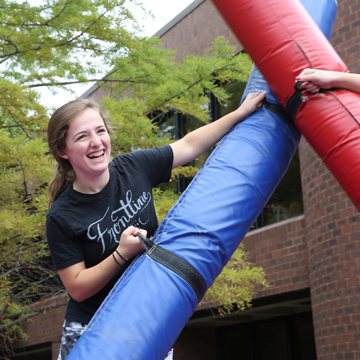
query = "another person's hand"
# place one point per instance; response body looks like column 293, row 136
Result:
column 313, row 80
column 130, row 245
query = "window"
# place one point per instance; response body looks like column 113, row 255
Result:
column 35, row 352
column 286, row 338
column 286, row 201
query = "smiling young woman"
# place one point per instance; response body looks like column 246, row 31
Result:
column 96, row 210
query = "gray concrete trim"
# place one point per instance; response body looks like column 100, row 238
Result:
column 88, row 92
column 159, row 33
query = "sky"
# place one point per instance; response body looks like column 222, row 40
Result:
column 163, row 10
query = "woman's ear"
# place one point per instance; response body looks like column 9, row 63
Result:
column 64, row 155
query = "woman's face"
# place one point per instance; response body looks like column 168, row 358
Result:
column 88, row 145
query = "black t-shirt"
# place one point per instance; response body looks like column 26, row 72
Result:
column 87, row 227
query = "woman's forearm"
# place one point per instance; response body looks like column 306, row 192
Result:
column 346, row 81
column 202, row 139
column 82, row 283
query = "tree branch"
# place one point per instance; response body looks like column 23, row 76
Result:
column 6, row 326
column 82, row 33
column 13, row 117
column 9, row 126
column 66, row 43
column 174, row 96
column 87, row 81
column 181, row 92
column 28, row 316
column 56, row 16
column 14, row 248
column 188, row 88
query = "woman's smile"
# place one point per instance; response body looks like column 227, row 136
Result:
column 97, row 155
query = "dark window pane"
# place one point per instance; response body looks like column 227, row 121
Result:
column 304, row 337
column 166, row 123
column 288, row 194
column 235, row 343
column 271, row 341
column 35, row 352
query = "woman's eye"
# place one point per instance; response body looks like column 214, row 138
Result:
column 102, row 130
column 81, row 137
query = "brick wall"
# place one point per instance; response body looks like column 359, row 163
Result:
column 280, row 249
column 333, row 242
column 333, row 227
column 43, row 328
column 196, row 32
column 346, row 34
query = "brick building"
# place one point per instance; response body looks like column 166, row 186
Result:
column 312, row 260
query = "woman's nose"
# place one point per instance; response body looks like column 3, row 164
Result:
column 95, row 141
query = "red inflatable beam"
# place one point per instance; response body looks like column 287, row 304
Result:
column 283, row 40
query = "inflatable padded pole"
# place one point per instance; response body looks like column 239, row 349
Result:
column 288, row 43
column 149, row 306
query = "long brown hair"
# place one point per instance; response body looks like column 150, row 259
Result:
column 58, row 127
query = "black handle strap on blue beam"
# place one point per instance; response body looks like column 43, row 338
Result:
column 176, row 264
column 278, row 110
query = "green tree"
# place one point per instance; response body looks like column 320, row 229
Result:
column 57, row 44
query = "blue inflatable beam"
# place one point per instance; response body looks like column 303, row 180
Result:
column 149, row 306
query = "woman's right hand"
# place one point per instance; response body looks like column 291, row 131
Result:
column 130, row 245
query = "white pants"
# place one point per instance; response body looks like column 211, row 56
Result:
column 71, row 334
